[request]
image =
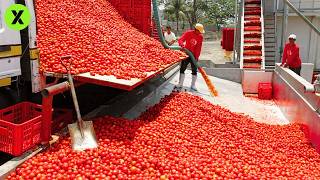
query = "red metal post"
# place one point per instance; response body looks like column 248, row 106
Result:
column 47, row 99
column 47, row 118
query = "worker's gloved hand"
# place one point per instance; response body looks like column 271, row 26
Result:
column 284, row 65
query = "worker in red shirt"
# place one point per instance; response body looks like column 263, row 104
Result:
column 191, row 40
column 291, row 55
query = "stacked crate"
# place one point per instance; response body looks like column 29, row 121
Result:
column 252, row 45
column 227, row 41
column 136, row 12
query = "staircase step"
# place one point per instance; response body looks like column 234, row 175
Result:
column 269, row 40
column 269, row 31
column 266, row 23
column 269, row 45
column 270, row 61
column 270, row 58
column 270, row 67
column 269, row 26
column 268, row 34
column 269, row 50
column 270, row 54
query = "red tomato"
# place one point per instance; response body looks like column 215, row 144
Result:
column 183, row 137
column 98, row 38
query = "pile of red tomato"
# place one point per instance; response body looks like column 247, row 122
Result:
column 99, row 40
column 183, row 137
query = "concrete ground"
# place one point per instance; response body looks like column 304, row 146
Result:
column 212, row 50
column 230, row 97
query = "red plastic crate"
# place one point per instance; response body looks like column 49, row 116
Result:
column 61, row 118
column 265, row 91
column 227, row 39
column 20, row 128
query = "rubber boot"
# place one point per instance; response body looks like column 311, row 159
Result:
column 181, row 80
column 193, row 83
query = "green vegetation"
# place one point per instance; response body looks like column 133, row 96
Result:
column 216, row 13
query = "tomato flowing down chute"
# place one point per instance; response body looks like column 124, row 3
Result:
column 208, row 82
column 211, row 87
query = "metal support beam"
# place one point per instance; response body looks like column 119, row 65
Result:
column 47, row 119
column 288, row 3
column 235, row 50
column 284, row 29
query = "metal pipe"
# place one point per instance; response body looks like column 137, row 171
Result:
column 275, row 6
column 309, row 89
column 53, row 83
column 55, row 89
column 242, row 33
column 47, row 100
column 304, row 10
column 302, row 16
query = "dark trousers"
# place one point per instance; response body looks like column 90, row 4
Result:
column 296, row 70
column 184, row 65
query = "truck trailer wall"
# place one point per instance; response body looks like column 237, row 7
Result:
column 10, row 48
column 136, row 12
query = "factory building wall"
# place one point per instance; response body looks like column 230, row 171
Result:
column 307, row 39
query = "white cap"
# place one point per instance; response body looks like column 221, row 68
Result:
column 292, row 36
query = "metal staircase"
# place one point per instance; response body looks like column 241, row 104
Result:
column 270, row 41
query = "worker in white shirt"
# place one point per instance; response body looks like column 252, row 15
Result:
column 169, row 36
